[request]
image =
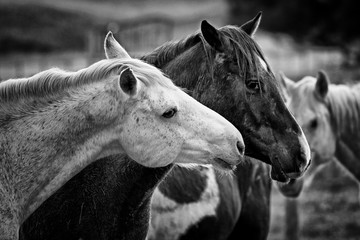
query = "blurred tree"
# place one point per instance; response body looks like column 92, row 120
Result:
column 321, row 22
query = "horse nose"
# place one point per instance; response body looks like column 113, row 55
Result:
column 303, row 162
column 241, row 147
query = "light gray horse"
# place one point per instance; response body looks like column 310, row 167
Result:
column 54, row 124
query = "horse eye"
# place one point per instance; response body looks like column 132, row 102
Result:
column 169, row 113
column 253, row 85
column 313, row 124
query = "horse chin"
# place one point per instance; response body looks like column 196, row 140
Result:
column 278, row 174
column 291, row 189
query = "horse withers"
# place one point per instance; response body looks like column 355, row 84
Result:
column 55, row 123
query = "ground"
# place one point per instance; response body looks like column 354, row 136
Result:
column 329, row 209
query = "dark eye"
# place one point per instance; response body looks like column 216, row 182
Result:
column 253, row 85
column 169, row 113
column 313, row 124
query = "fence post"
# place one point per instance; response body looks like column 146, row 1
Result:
column 291, row 219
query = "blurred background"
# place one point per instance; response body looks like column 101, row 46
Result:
column 298, row 37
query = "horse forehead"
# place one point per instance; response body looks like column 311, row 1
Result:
column 304, row 105
column 162, row 95
column 302, row 95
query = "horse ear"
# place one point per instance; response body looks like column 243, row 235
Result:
column 128, row 82
column 322, row 84
column 251, row 26
column 212, row 36
column 286, row 82
column 113, row 49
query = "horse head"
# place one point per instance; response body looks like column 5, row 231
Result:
column 306, row 99
column 245, row 91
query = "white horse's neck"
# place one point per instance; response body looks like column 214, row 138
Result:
column 347, row 102
column 44, row 149
column 348, row 156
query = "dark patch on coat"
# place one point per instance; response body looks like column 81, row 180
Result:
column 211, row 233
column 254, row 220
column 185, row 185
column 244, row 208
column 107, row 200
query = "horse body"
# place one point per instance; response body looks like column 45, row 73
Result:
column 209, row 205
column 179, row 203
column 223, row 70
column 56, row 123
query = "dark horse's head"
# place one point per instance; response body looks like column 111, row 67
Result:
column 226, row 70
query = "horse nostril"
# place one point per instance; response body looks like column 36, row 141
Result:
column 241, row 147
column 303, row 162
column 306, row 168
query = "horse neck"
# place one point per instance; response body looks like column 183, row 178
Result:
column 138, row 184
column 45, row 148
column 346, row 128
column 187, row 68
column 349, row 158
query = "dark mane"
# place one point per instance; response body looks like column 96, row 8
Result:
column 244, row 48
column 170, row 50
column 344, row 106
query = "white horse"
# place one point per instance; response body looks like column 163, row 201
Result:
column 329, row 114
column 55, row 123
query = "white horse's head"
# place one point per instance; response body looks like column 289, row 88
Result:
column 306, row 100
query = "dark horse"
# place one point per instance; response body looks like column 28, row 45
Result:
column 225, row 70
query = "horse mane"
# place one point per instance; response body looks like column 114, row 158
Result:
column 244, row 47
column 56, row 80
column 344, row 105
column 170, row 50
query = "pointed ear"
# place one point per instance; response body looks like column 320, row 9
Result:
column 213, row 37
column 128, row 82
column 322, row 84
column 251, row 26
column 113, row 49
column 286, row 82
